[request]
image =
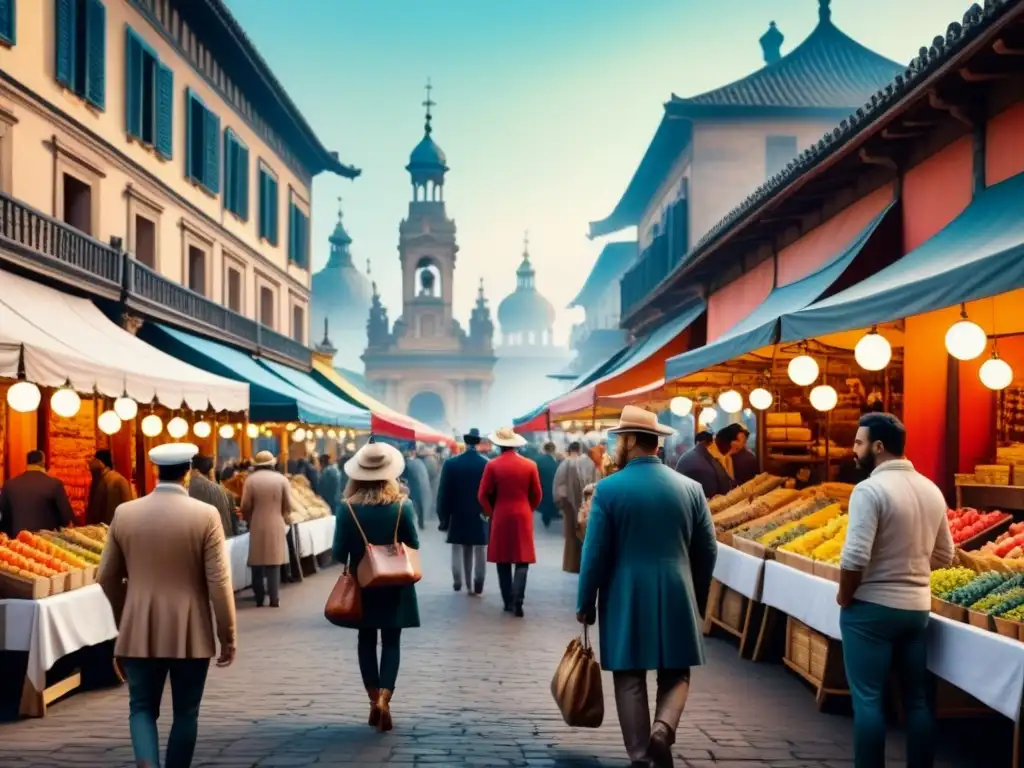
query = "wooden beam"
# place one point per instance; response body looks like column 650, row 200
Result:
column 1005, row 49
column 892, row 135
column 883, row 160
column 982, row 77
column 955, row 110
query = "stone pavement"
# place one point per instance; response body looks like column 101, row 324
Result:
column 473, row 691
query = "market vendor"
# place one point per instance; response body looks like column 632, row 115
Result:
column 34, row 501
column 699, row 463
column 108, row 491
column 744, row 461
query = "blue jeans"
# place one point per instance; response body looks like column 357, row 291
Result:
column 146, row 680
column 876, row 640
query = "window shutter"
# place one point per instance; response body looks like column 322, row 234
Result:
column 291, row 231
column 164, row 110
column 132, row 84
column 229, row 170
column 243, row 182
column 8, row 22
column 274, row 211
column 96, row 53
column 262, row 224
column 211, row 143
column 64, row 43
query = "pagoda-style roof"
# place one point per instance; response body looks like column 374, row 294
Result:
column 609, row 268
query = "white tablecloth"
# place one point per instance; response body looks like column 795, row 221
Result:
column 803, row 596
column 315, row 536
column 739, row 571
column 238, row 559
column 54, row 627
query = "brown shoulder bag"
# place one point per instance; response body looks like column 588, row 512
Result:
column 345, row 603
column 387, row 565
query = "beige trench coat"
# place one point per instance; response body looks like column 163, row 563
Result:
column 266, row 506
column 171, row 550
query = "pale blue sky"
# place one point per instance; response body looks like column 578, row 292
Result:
column 545, row 108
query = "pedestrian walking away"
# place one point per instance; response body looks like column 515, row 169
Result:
column 509, row 492
column 547, row 466
column 267, row 507
column 648, row 558
column 374, row 508
column 417, row 479
column 330, row 488
column 897, row 535
column 575, row 473
column 461, row 515
column 160, row 587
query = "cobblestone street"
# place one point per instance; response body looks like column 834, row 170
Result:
column 473, row 691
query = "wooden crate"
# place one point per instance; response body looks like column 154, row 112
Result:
column 798, row 562
column 826, row 571
column 12, row 586
column 750, row 547
column 948, row 610
column 89, row 575
column 58, row 583
column 817, row 659
column 732, row 608
column 979, row 620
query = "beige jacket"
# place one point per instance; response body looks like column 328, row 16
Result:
column 165, row 561
column 266, row 506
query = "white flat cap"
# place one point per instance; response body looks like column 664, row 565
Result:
column 172, row 454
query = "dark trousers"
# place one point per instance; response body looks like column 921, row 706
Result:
column 634, row 708
column 146, row 679
column 381, row 675
column 272, row 584
column 877, row 640
column 513, row 587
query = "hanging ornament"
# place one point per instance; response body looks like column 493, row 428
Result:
column 65, row 402
column 824, row 397
column 226, row 431
column 681, row 406
column 761, row 399
column 996, row 373
column 152, row 425
column 126, row 408
column 803, row 370
column 299, row 435
column 202, row 429
column 730, row 401
column 873, row 352
column 108, row 422
column 965, row 340
column 24, row 396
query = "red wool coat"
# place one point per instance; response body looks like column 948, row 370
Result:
column 509, row 493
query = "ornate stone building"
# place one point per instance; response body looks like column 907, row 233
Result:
column 426, row 365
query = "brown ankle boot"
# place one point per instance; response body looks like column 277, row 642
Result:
column 373, row 693
column 384, row 707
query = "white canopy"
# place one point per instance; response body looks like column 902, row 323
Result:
column 66, row 338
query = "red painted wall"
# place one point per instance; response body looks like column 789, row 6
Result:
column 735, row 301
column 1004, row 145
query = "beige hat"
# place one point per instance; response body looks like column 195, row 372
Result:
column 634, row 419
column 264, row 459
column 375, row 461
column 506, row 437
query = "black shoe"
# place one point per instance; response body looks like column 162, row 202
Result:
column 457, row 587
column 508, row 607
column 659, row 748
column 478, row 587
column 518, row 610
column 275, row 604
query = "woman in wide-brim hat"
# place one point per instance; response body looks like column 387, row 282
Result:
column 372, row 506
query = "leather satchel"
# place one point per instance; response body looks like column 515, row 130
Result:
column 345, row 603
column 576, row 685
column 387, row 565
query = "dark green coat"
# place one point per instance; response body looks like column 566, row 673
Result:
column 383, row 607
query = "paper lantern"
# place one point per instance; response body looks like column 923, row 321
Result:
column 126, row 408
column 299, row 435
column 566, row 426
column 761, row 399
column 707, row 416
column 803, row 370
column 152, row 425
column 292, row 427
column 108, row 422
column 24, row 396
column 202, row 429
column 319, row 433
column 824, row 397
column 966, row 340
column 226, row 431
column 681, row 406
column 996, row 373
column 65, row 402
column 332, row 434
column 730, row 401
column 873, row 352
column 177, row 427
column 252, row 430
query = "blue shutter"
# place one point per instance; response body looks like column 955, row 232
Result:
column 64, row 43
column 211, row 144
column 95, row 53
column 292, row 232
column 274, row 211
column 133, row 84
column 8, row 22
column 262, row 223
column 305, row 240
column 242, row 193
column 229, row 169
column 164, row 111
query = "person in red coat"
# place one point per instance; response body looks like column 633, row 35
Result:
column 509, row 493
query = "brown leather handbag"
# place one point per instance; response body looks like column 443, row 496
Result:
column 576, row 685
column 345, row 603
column 387, row 565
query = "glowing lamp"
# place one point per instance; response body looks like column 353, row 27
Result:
column 332, row 434
column 152, row 425
column 299, row 435
column 730, row 401
column 126, row 408
column 350, row 447
column 177, row 427
column 202, row 429
column 681, row 406
column 873, row 352
column 292, row 427
column 996, row 373
column 24, row 396
column 707, row 416
column 803, row 370
column 65, row 402
column 252, row 430
column 108, row 422
column 226, row 431
column 966, row 340
column 761, row 399
column 319, row 433
column 824, row 398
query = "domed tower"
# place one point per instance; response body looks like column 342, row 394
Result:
column 525, row 316
column 341, row 298
column 427, row 365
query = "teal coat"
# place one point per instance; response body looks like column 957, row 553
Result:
column 383, row 607
column 648, row 557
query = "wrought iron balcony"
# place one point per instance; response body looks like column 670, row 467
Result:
column 37, row 243
column 658, row 260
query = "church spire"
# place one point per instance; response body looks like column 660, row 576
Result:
column 340, row 242
column 428, row 103
column 525, row 274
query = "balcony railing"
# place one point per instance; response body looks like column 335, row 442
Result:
column 657, row 261
column 44, row 245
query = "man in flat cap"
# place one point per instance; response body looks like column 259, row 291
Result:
column 163, row 565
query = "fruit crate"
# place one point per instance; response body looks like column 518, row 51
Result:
column 816, row 658
column 18, row 588
column 948, row 610
column 752, row 548
column 795, row 561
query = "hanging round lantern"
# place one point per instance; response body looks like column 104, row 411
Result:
column 152, row 425
column 177, row 428
column 108, row 422
column 966, row 340
column 299, row 435
column 332, row 434
column 65, row 402
column 803, row 370
column 730, row 401
column 226, row 431
column 707, row 416
column 873, row 352
column 126, row 408
column 681, row 406
column 566, row 426
column 252, row 431
column 24, row 396
column 319, row 433
column 996, row 373
column 292, row 427
column 761, row 399
column 202, row 429
column 824, row 397
column 350, row 447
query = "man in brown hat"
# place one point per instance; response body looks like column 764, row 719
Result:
column 648, row 558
